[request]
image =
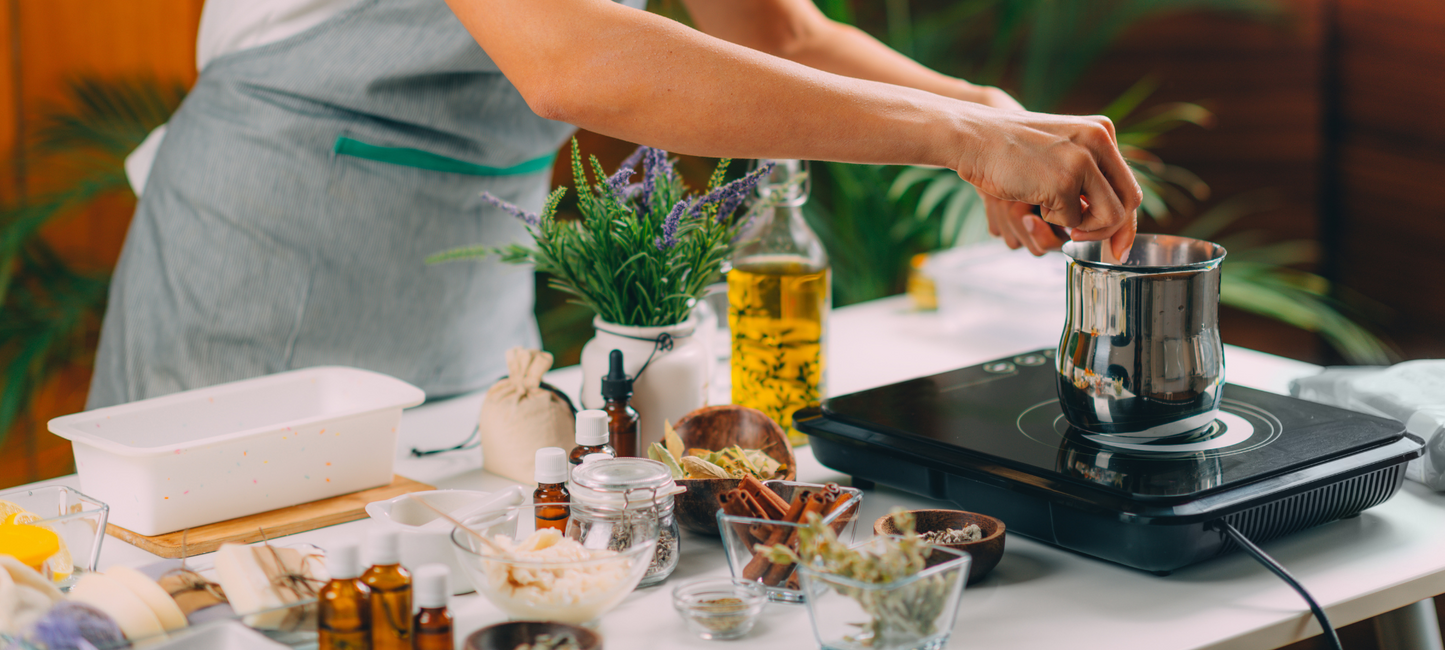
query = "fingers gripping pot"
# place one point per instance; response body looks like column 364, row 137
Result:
column 1140, row 354
column 609, row 491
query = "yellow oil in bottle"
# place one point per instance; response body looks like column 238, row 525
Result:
column 778, row 311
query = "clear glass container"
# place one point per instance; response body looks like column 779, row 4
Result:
column 574, row 591
column 607, row 493
column 77, row 519
column 740, row 535
column 778, row 303
column 915, row 612
column 719, row 608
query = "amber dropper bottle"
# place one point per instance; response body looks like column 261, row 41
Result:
column 344, row 622
column 591, row 436
column 551, row 475
column 433, row 624
column 622, row 420
column 390, row 586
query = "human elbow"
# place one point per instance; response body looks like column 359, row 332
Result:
column 549, row 100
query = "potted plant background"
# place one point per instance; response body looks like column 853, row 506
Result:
column 640, row 258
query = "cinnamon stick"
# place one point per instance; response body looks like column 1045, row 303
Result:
column 738, row 503
column 837, row 497
column 759, row 565
column 776, row 507
column 777, row 573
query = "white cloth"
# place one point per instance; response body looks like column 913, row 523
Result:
column 229, row 26
column 1412, row 392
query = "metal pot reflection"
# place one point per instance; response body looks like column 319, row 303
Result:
column 1155, row 474
column 1140, row 354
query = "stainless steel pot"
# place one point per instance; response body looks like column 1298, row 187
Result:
column 1140, row 355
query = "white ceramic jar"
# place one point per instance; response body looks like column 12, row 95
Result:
column 674, row 384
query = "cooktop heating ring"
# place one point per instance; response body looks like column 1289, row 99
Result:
column 1240, row 428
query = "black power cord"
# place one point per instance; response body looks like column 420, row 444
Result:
column 1332, row 639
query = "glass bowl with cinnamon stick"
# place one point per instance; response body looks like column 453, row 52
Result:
column 771, row 512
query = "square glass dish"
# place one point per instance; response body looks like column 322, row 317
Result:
column 77, row 519
column 740, row 535
column 913, row 612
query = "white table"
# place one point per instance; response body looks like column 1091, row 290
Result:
column 1039, row 596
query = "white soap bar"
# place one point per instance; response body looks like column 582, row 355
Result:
column 248, row 574
column 111, row 597
column 161, row 604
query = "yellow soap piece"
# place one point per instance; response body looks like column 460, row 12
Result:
column 32, row 545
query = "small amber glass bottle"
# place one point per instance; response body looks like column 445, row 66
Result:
column 432, row 626
column 591, row 436
column 551, row 475
column 623, row 427
column 344, row 621
column 390, row 586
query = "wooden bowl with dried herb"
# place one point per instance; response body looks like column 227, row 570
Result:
column 978, row 535
column 711, row 449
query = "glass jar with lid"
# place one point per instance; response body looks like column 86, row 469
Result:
column 609, row 491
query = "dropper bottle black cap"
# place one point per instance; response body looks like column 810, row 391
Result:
column 616, row 386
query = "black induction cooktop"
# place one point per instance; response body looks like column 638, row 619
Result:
column 992, row 439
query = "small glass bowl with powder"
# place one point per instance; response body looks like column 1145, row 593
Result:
column 720, row 608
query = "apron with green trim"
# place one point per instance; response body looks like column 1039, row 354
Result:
column 294, row 199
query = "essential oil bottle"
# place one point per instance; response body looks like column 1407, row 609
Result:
column 623, row 425
column 432, row 626
column 551, row 475
column 591, row 436
column 344, row 622
column 390, row 586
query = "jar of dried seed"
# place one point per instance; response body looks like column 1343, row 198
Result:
column 607, row 492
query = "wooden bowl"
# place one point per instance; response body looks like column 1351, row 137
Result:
column 986, row 552
column 509, row 635
column 714, row 428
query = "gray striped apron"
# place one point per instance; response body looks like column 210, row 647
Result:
column 296, row 194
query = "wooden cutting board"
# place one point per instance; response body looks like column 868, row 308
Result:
column 275, row 523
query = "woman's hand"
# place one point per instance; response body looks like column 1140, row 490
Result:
column 1068, row 166
column 1013, row 221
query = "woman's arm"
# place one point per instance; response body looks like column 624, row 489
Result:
column 796, row 30
column 648, row 79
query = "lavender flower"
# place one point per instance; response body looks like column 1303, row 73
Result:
column 529, row 218
column 655, row 165
column 730, row 196
column 625, row 171
column 670, row 225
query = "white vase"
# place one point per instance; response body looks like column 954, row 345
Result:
column 674, row 384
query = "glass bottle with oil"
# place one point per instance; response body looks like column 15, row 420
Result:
column 778, row 302
column 390, row 586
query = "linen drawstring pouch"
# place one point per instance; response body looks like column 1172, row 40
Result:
column 520, row 415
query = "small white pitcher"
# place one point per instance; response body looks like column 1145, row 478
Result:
column 422, row 543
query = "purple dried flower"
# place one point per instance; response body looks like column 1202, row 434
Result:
column 655, row 165
column 670, row 225
column 529, row 218
column 730, row 196
column 625, row 171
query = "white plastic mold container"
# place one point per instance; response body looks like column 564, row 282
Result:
column 236, row 449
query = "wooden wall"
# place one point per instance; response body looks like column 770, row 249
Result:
column 43, row 45
column 1385, row 209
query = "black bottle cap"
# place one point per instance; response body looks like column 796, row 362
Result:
column 616, row 386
